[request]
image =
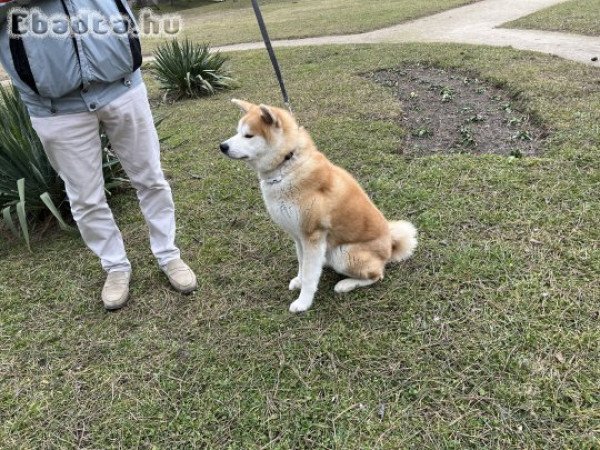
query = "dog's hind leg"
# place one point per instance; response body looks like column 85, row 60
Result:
column 349, row 284
column 363, row 267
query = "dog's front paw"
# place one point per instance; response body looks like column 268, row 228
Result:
column 296, row 283
column 299, row 306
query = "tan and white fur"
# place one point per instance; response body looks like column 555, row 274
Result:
column 331, row 219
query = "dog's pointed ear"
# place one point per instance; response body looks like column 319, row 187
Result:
column 243, row 105
column 268, row 115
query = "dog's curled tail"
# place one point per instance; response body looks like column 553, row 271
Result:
column 404, row 240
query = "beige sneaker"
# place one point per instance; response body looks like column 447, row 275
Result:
column 116, row 290
column 181, row 277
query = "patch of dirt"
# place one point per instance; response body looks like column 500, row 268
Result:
column 447, row 111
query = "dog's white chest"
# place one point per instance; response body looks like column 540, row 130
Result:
column 284, row 213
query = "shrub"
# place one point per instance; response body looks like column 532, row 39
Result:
column 30, row 189
column 190, row 70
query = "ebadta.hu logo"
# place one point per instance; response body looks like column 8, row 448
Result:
column 34, row 22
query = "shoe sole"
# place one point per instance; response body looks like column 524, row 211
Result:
column 185, row 291
column 116, row 307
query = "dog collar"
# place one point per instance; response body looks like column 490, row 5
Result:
column 278, row 178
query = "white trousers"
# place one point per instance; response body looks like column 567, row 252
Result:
column 72, row 143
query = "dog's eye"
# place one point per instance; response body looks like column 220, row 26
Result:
column 248, row 136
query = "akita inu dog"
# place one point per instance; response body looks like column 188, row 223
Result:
column 331, row 219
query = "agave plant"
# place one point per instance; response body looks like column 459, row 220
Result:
column 190, row 70
column 22, row 156
column 30, row 189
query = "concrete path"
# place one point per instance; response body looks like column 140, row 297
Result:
column 476, row 23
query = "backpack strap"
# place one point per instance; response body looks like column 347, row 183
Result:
column 133, row 34
column 18, row 52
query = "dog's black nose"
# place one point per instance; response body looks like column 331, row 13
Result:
column 224, row 147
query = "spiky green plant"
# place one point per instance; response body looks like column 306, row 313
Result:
column 190, row 70
column 30, row 189
column 22, row 156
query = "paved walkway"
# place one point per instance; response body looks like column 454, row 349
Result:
column 476, row 23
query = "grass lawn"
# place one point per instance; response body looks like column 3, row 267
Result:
column 574, row 16
column 232, row 22
column 488, row 338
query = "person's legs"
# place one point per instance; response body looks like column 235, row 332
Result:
column 130, row 128
column 72, row 143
